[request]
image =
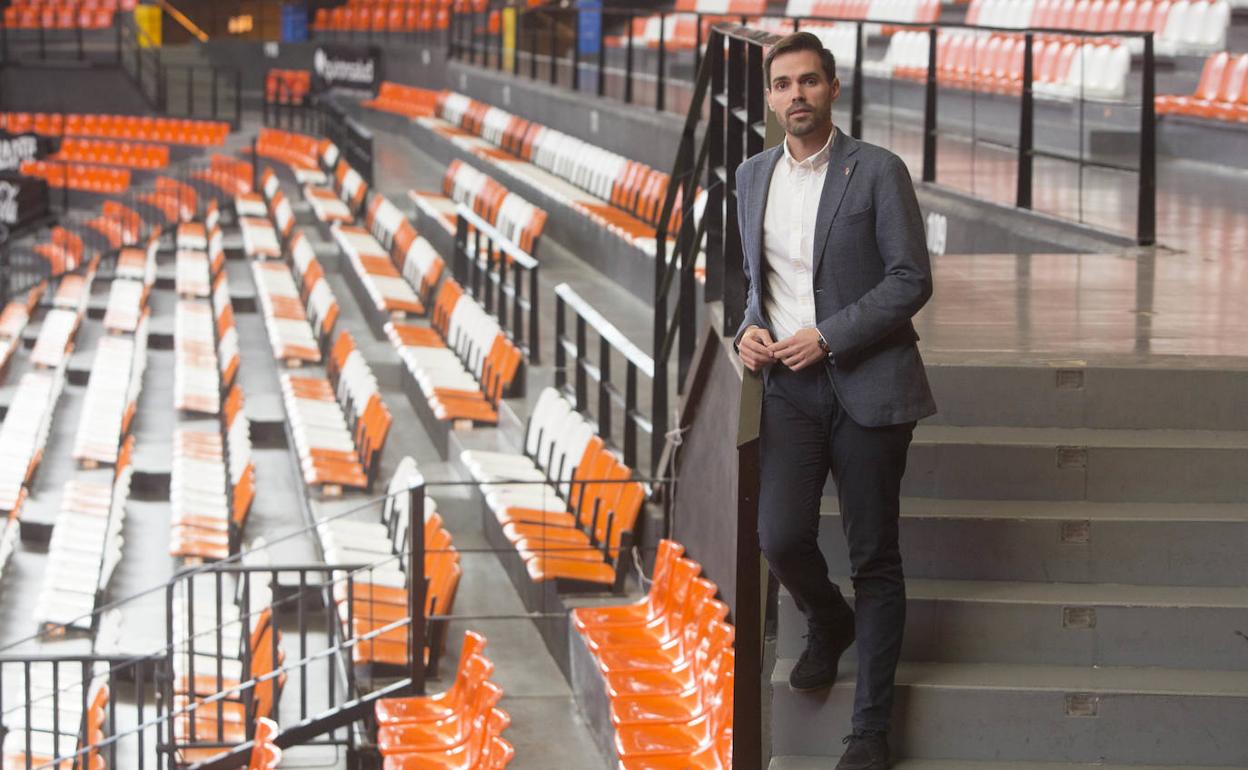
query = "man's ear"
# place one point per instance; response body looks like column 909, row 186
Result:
column 836, row 88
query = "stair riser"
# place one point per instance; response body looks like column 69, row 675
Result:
column 1154, row 474
column 937, row 722
column 1198, row 553
column 981, row 632
column 1060, row 397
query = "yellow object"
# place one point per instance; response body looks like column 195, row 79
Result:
column 509, row 38
column 147, row 18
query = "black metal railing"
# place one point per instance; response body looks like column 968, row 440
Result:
column 579, row 364
column 353, row 139
column 547, row 48
column 501, row 276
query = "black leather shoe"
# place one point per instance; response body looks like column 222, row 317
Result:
column 867, row 750
column 817, row 666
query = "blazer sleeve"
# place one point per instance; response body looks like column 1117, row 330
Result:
column 753, row 313
column 907, row 282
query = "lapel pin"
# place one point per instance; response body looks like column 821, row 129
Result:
column 847, row 171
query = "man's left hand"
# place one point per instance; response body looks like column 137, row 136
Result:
column 799, row 351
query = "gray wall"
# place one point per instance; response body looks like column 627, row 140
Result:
column 57, row 89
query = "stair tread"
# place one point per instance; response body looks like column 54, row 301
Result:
column 1055, row 678
column 1061, row 510
column 821, row 763
column 1080, row 594
column 1086, row 437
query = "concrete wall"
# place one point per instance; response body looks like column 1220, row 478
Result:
column 59, row 89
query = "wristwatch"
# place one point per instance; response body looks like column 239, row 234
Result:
column 823, row 345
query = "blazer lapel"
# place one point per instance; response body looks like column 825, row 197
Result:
column 835, row 182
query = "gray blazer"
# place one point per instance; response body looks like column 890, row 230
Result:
column 871, row 275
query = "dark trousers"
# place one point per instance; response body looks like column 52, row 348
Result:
column 805, row 434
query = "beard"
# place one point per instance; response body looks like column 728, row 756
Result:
column 802, row 125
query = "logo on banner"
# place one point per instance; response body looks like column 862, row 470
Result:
column 346, row 67
column 15, row 149
column 8, row 203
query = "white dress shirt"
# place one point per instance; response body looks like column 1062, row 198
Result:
column 789, row 239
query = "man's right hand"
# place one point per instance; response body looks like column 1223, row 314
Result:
column 753, row 348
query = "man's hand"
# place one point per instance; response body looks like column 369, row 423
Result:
column 754, row 348
column 799, row 351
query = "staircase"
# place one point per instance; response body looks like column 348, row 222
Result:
column 1074, row 542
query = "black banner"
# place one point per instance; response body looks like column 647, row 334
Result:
column 23, row 199
column 16, row 148
column 346, row 66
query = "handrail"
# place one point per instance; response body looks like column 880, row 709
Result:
column 183, row 20
column 500, row 240
column 606, row 329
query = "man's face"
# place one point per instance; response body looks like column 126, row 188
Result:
column 800, row 93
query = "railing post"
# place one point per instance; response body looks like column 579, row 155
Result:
column 660, row 100
column 602, row 52
column 628, row 63
column 855, row 99
column 554, row 60
column 581, row 384
column 576, row 50
column 532, row 48
column 1146, row 211
column 416, row 587
column 1026, row 129
column 561, row 353
column 929, row 111
column 535, row 348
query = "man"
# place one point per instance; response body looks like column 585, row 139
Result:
column 837, row 265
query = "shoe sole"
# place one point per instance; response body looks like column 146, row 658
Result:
column 812, row 688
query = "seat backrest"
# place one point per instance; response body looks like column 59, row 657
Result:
column 1233, row 86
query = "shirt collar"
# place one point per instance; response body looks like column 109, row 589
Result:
column 815, row 161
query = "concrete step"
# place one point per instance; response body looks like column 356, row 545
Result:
column 1074, row 624
column 1186, row 392
column 996, row 463
column 1200, row 544
column 823, row 763
column 1035, row 713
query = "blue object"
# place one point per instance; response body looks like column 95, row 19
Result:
column 294, row 23
column 589, row 26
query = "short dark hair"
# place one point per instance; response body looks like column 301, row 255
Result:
column 800, row 41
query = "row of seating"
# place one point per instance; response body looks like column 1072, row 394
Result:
column 75, row 724
column 212, row 486
column 356, row 16
column 108, row 152
column 513, row 216
column 285, row 319
column 319, row 300
column 566, row 503
column 220, row 647
column 84, row 548
column 667, row 665
column 60, row 325
column 90, row 15
column 463, row 362
column 377, row 597
column 402, row 100
column 111, row 398
column 622, row 195
column 339, row 422
column 1062, row 68
column 299, row 152
column 392, row 295
column 283, row 86
column 127, row 297
column 1181, row 26
column 118, row 223
column 145, row 128
column 196, row 371
column 460, row 727
column 24, row 432
column 231, row 176
column 79, row 176
column 13, row 321
column 11, row 531
column 63, row 250
column 1221, row 94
